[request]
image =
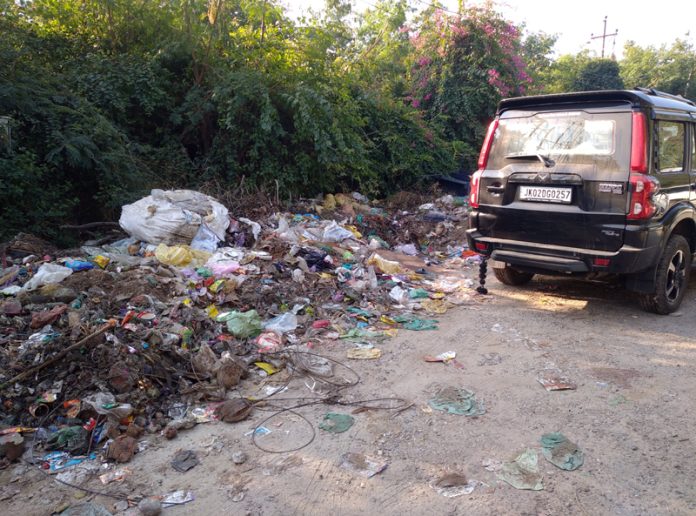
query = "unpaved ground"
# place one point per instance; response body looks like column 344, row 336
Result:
column 631, row 415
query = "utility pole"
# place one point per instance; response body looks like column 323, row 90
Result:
column 604, row 35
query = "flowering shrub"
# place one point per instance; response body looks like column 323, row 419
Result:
column 462, row 66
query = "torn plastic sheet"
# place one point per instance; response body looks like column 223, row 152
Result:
column 455, row 400
column 562, row 453
column 177, row 498
column 445, row 357
column 363, row 353
column 523, row 472
column 555, row 380
column 453, row 485
column 255, row 227
column 58, row 460
column 336, row 423
column 362, row 464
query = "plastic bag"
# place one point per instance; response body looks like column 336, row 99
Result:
column 104, row 403
column 180, row 255
column 73, row 439
column 335, row 233
column 173, row 217
column 285, row 232
column 79, row 265
column 255, row 227
column 118, row 247
column 360, row 197
column 418, row 293
column 559, row 451
column 37, row 339
column 225, row 261
column 386, row 266
column 329, row 202
column 408, row 249
column 372, row 277
column 399, row 295
column 282, row 324
column 48, row 273
column 298, row 276
column 242, row 324
column 269, row 342
column 205, row 239
column 11, row 291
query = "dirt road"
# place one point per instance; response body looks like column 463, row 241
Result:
column 630, row 415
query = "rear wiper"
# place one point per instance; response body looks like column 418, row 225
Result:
column 548, row 162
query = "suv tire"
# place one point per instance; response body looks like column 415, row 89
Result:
column 513, row 277
column 671, row 278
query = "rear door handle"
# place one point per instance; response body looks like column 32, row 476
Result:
column 495, row 189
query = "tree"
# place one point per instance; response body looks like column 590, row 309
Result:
column 671, row 69
column 560, row 76
column 108, row 99
column 536, row 52
column 598, row 74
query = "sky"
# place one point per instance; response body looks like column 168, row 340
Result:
column 576, row 21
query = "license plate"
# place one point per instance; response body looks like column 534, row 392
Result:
column 545, row 194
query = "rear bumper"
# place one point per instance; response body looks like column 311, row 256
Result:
column 570, row 260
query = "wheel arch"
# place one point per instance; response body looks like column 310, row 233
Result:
column 679, row 221
column 686, row 228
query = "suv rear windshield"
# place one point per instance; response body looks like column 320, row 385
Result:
column 574, row 137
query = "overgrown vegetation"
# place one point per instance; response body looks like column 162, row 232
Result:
column 101, row 100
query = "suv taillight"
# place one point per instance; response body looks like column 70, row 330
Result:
column 487, row 142
column 639, row 161
column 641, row 189
column 474, row 188
column 482, row 162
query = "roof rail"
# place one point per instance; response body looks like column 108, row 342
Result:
column 658, row 93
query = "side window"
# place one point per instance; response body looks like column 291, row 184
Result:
column 670, row 152
column 693, row 147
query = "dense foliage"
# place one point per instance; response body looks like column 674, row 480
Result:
column 101, row 100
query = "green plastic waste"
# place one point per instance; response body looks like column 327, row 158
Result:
column 418, row 293
column 336, row 423
column 455, row 400
column 411, row 322
column 73, row 439
column 359, row 334
column 559, row 451
column 523, row 472
column 242, row 324
column 359, row 311
column 204, row 272
column 421, row 324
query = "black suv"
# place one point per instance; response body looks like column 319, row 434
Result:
column 590, row 183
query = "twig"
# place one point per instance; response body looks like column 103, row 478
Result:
column 91, row 225
column 402, row 410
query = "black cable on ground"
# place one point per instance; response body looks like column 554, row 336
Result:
column 331, row 399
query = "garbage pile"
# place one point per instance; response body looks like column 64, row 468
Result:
column 153, row 332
